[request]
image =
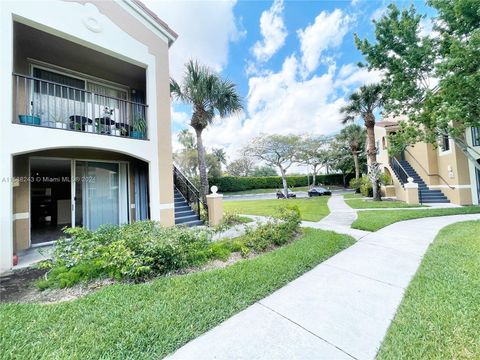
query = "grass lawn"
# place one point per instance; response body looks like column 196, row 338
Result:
column 263, row 191
column 311, row 209
column 357, row 203
column 439, row 316
column 374, row 220
column 149, row 321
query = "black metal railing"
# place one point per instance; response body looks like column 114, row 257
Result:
column 398, row 169
column 427, row 173
column 402, row 174
column 49, row 104
column 189, row 191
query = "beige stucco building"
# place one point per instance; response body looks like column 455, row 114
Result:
column 443, row 172
column 85, row 138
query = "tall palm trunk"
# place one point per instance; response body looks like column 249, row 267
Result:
column 202, row 166
column 357, row 165
column 372, row 154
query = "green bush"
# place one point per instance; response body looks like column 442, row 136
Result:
column 144, row 249
column 132, row 251
column 362, row 185
column 275, row 232
column 241, row 183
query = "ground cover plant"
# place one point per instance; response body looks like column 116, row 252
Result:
column 151, row 320
column 144, row 249
column 375, row 220
column 439, row 317
column 311, row 209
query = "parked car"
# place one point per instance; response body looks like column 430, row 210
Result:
column 281, row 195
column 318, row 191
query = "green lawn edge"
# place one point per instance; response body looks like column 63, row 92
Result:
column 377, row 219
column 151, row 320
column 438, row 317
column 358, row 203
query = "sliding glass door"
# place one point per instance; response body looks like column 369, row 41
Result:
column 100, row 194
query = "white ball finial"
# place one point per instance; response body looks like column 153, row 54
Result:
column 214, row 189
column 410, row 179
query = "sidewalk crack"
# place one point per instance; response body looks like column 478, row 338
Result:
column 303, row 328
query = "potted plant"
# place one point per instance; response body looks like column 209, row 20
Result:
column 139, row 128
column 59, row 121
column 30, row 119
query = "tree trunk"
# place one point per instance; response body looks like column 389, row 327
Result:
column 372, row 153
column 284, row 181
column 314, row 176
column 202, row 166
column 357, row 165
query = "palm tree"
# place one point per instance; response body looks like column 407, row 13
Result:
column 353, row 136
column 363, row 103
column 220, row 154
column 209, row 95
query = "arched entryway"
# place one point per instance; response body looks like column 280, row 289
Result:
column 75, row 187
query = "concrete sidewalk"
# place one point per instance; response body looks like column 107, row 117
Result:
column 339, row 310
column 339, row 220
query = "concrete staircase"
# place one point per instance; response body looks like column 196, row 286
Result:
column 184, row 215
column 426, row 195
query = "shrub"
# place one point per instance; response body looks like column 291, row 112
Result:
column 132, row 251
column 275, row 232
column 143, row 249
column 241, row 183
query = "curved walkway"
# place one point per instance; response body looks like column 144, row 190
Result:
column 341, row 309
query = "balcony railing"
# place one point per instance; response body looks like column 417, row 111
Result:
column 49, row 104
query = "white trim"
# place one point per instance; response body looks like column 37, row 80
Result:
column 21, row 216
column 166, row 206
column 147, row 21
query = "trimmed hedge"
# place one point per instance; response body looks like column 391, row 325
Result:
column 240, row 183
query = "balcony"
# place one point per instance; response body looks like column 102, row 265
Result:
column 62, row 84
column 44, row 103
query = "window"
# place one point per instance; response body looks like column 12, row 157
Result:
column 65, row 92
column 476, row 135
column 445, row 143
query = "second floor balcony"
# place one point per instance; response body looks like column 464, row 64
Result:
column 52, row 104
column 62, row 84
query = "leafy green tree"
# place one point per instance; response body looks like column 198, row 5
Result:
column 341, row 159
column 280, row 151
column 353, row 138
column 242, row 166
column 264, row 170
column 311, row 153
column 412, row 63
column 220, row 154
column 363, row 103
column 209, row 95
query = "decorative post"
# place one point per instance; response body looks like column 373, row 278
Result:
column 411, row 192
column 215, row 207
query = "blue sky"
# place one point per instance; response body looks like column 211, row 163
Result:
column 294, row 62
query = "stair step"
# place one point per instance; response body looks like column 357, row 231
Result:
column 183, row 213
column 184, row 219
column 192, row 223
column 435, row 201
column 182, row 208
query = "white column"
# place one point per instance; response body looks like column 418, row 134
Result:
column 6, row 211
column 6, row 192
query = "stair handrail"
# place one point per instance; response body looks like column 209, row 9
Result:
column 428, row 174
column 395, row 164
column 188, row 191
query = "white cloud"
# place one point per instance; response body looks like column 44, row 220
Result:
column 205, row 29
column 326, row 32
column 273, row 31
column 281, row 103
column 354, row 2
column 378, row 13
column 351, row 75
